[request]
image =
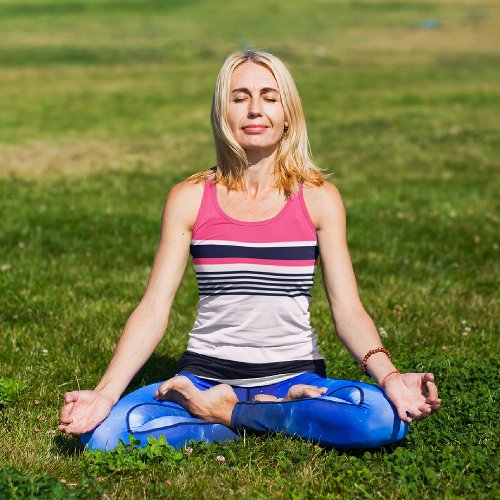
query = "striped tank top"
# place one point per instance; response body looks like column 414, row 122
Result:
column 254, row 284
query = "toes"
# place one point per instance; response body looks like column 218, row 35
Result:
column 265, row 398
column 178, row 384
column 300, row 391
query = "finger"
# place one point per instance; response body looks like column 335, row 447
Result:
column 66, row 429
column 421, row 412
column 436, row 404
column 78, row 428
column 432, row 392
column 71, row 397
column 65, row 416
column 73, row 430
column 403, row 415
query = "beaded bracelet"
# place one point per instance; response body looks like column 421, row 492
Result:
column 369, row 353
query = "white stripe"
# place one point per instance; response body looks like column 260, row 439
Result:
column 214, row 268
column 311, row 243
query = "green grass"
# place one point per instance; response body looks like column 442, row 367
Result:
column 105, row 105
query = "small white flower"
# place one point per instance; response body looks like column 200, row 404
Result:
column 382, row 331
column 221, row 459
column 188, row 450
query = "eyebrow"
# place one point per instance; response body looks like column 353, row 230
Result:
column 263, row 90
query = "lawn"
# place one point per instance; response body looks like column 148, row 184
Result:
column 104, row 106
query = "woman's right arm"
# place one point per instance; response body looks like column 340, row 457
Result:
column 84, row 410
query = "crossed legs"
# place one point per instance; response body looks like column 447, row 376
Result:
column 332, row 412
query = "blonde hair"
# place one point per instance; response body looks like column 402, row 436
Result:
column 293, row 159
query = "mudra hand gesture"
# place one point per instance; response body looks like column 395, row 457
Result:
column 413, row 393
column 83, row 411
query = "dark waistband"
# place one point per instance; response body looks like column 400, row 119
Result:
column 226, row 369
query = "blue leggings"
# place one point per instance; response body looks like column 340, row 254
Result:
column 349, row 415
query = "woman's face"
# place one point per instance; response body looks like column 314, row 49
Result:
column 255, row 113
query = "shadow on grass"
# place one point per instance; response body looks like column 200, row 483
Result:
column 68, row 446
column 359, row 453
column 159, row 367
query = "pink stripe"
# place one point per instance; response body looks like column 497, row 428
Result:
column 292, row 224
column 264, row 262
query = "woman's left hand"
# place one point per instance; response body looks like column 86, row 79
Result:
column 415, row 393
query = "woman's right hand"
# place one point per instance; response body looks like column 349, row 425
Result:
column 83, row 411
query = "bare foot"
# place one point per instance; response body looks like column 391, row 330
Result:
column 297, row 391
column 266, row 398
column 300, row 391
column 213, row 405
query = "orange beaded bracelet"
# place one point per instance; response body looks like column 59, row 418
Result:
column 369, row 353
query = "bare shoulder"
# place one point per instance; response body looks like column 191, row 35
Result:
column 183, row 202
column 186, row 191
column 324, row 204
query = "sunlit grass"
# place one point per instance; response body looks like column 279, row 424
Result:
column 105, row 105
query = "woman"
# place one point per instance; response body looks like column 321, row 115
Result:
column 253, row 225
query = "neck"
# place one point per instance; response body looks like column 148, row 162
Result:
column 258, row 176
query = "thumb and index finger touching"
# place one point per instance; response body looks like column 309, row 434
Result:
column 70, row 398
column 430, row 388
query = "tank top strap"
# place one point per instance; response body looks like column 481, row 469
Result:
column 299, row 196
column 206, row 206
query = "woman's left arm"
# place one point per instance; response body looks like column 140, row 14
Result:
column 414, row 393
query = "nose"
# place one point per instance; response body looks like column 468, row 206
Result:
column 254, row 108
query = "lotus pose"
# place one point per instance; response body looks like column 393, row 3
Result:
column 255, row 225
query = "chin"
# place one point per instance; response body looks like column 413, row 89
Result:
column 258, row 145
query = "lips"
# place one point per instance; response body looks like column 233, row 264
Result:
column 255, row 129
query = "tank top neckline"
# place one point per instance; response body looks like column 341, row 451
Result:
column 215, row 201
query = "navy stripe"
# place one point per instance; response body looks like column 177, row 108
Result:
column 207, row 273
column 228, row 251
column 254, row 286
